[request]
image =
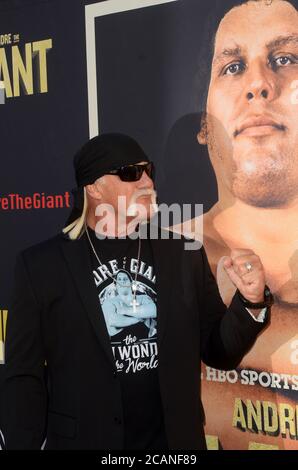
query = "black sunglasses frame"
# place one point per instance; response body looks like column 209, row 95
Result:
column 129, row 173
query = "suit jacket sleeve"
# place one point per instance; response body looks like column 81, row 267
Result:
column 24, row 392
column 227, row 334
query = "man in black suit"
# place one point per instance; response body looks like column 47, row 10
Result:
column 132, row 389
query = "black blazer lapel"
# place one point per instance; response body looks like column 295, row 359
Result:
column 163, row 263
column 77, row 256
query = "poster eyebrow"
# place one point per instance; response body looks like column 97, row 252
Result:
column 274, row 43
column 228, row 52
column 283, row 41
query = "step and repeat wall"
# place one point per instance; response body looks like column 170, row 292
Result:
column 191, row 81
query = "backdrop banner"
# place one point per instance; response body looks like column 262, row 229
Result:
column 195, row 83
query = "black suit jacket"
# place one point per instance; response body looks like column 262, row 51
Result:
column 55, row 317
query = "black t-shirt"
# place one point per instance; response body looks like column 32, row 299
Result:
column 128, row 303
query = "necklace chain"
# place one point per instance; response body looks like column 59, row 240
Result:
column 134, row 287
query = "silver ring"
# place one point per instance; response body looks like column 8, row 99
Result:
column 248, row 266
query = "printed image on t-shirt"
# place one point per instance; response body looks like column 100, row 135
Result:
column 128, row 304
column 125, row 303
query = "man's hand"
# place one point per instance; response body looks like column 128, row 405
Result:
column 246, row 271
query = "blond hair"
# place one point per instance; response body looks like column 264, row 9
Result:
column 76, row 229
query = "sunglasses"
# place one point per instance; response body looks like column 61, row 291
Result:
column 134, row 172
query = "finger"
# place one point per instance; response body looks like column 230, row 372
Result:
column 247, row 264
column 248, row 275
column 234, row 277
column 253, row 282
column 241, row 252
column 252, row 290
column 240, row 267
column 241, row 259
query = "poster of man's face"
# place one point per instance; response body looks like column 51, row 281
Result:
column 251, row 114
column 211, row 91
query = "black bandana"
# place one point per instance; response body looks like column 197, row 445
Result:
column 98, row 157
column 105, row 153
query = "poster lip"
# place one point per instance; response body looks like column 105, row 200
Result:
column 93, row 11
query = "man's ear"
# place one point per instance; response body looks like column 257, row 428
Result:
column 94, row 191
column 202, row 134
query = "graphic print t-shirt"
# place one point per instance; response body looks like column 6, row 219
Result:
column 131, row 322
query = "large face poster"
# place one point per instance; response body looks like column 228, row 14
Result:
column 211, row 91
